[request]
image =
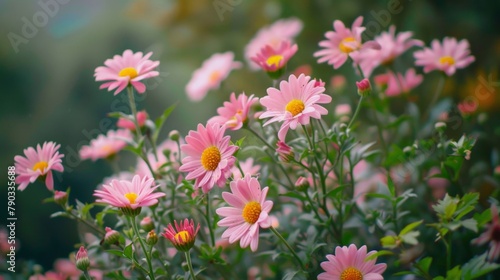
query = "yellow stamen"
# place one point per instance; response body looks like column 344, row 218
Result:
column 214, row 76
column 251, row 212
column 345, row 48
column 129, row 71
column 295, row 106
column 41, row 166
column 131, row 197
column 210, row 158
column 182, row 237
column 274, row 60
column 107, row 149
column 447, row 60
column 351, row 273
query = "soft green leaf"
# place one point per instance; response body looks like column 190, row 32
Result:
column 410, row 227
column 127, row 251
column 115, row 252
column 161, row 120
column 410, row 237
column 470, row 224
column 424, row 264
column 378, row 254
column 478, row 266
column 389, row 241
column 483, row 218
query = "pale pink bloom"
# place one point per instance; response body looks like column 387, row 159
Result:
column 183, row 236
column 342, row 43
column 437, row 185
column 338, row 82
column 123, row 175
column 467, row 107
column 272, row 59
column 49, row 275
column 96, row 274
column 159, row 162
column 142, row 116
column 366, row 180
column 305, row 69
column 272, row 35
column 66, row 268
column 248, row 212
column 342, row 110
column 234, row 113
column 38, row 163
column 129, row 194
column 397, row 84
column 349, row 263
column 210, row 75
column 294, row 103
column 247, row 167
column 491, row 235
column 448, row 57
column 209, row 156
column 105, row 146
column 128, row 69
column 391, row 47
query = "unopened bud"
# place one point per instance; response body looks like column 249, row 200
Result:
column 364, row 87
column 151, row 238
column 82, row 259
column 302, row 184
column 111, row 236
column 440, row 126
column 147, row 224
column 60, row 197
column 285, row 152
column 174, row 135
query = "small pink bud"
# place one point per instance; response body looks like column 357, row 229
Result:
column 364, row 87
column 174, row 135
column 82, row 259
column 111, row 236
column 60, row 197
column 319, row 83
column 147, row 224
column 302, row 184
column 142, row 116
column 151, row 238
column 284, row 151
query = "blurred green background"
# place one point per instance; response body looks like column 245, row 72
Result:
column 50, row 93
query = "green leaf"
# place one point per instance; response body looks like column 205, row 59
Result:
column 424, row 264
column 118, row 115
column 410, row 227
column 390, row 185
column 336, row 191
column 466, row 204
column 378, row 254
column 483, row 218
column 127, row 251
column 470, row 224
column 379, row 195
column 115, row 252
column 389, row 241
column 477, row 267
column 410, row 237
column 161, row 120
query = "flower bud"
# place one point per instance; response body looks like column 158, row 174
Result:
column 174, row 135
column 151, row 238
column 302, row 184
column 60, row 197
column 147, row 224
column 285, row 152
column 440, row 126
column 364, row 87
column 496, row 172
column 82, row 259
column 111, row 236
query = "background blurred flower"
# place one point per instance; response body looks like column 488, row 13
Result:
column 106, row 146
column 234, row 113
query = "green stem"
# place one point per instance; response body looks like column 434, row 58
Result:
column 448, row 253
column 355, row 112
column 260, row 138
column 288, row 246
column 435, row 97
column 85, row 222
column 131, row 100
column 318, row 165
column 87, row 275
column 209, row 223
column 190, row 265
column 143, row 246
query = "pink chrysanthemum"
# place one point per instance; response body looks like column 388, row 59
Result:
column 210, row 75
column 491, row 235
column 209, row 157
column 248, row 213
column 129, row 195
column 349, row 263
column 273, row 35
column 448, row 57
column 294, row 103
column 273, row 59
column 342, row 43
column 247, row 167
column 128, row 69
column 183, row 236
column 38, row 163
column 105, row 146
column 397, row 84
column 234, row 113
column 142, row 117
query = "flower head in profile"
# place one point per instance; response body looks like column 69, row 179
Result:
column 273, row 36
column 211, row 74
column 446, row 57
column 38, row 163
column 350, row 263
column 106, row 146
column 142, row 117
column 127, row 69
column 234, row 113
column 294, row 103
column 399, row 83
column 183, row 236
column 209, row 156
column 129, row 196
column 82, row 259
column 491, row 235
column 248, row 212
column 272, row 59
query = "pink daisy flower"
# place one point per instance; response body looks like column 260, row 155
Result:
column 183, row 236
column 342, row 43
column 209, row 157
column 234, row 113
column 294, row 103
column 129, row 195
column 491, row 235
column 391, row 46
column 106, row 146
column 405, row 84
column 448, row 57
column 272, row 35
column 213, row 71
column 127, row 69
column 349, row 263
column 38, row 163
column 248, row 213
column 142, row 117
column 247, row 167
column 273, row 59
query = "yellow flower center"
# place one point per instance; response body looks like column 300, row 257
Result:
column 128, row 72
column 296, row 106
column 351, row 273
column 447, row 60
column 251, row 212
column 182, row 236
column 107, row 149
column 214, row 76
column 131, row 197
column 274, row 60
column 210, row 158
column 41, row 166
column 343, row 47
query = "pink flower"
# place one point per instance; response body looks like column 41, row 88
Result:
column 128, row 69
column 294, row 103
column 247, row 167
column 209, row 157
column 364, row 87
column 448, row 57
column 141, row 116
column 349, row 263
column 273, row 35
column 399, row 84
column 183, row 236
column 342, row 43
column 491, row 235
column 391, row 46
column 467, row 107
column 437, row 185
column 159, row 163
column 234, row 113
column 272, row 59
column 82, row 259
column 105, row 146
column 126, row 194
column 213, row 71
column 248, row 213
column 38, row 163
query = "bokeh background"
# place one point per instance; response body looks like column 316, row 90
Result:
column 49, row 93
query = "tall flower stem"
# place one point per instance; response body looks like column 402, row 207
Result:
column 355, row 112
column 87, row 275
column 131, row 100
column 288, row 246
column 209, row 223
column 435, row 97
column 143, row 246
column 190, row 265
